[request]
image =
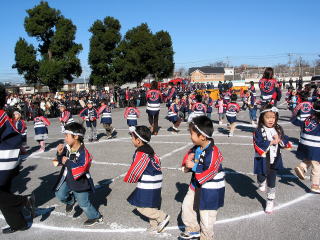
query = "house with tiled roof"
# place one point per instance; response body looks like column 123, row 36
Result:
column 206, row 74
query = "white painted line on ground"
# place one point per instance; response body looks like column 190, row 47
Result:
column 223, row 221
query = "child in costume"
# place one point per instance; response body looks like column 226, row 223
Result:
column 75, row 182
column 207, row 188
column 90, row 115
column 268, row 139
column 146, row 171
column 132, row 114
column 309, row 148
column 106, row 118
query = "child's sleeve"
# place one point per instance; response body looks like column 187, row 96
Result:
column 205, row 108
column 261, row 146
column 192, row 150
column 46, row 121
column 285, row 143
column 137, row 168
column 238, row 107
column 82, row 114
column 65, row 117
column 213, row 166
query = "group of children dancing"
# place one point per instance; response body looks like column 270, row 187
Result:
column 204, row 160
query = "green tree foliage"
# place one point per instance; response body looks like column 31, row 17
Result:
column 103, row 51
column 26, row 62
column 57, row 50
column 163, row 64
column 136, row 55
column 141, row 53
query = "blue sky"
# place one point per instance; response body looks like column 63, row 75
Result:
column 203, row 31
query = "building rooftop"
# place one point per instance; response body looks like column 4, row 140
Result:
column 207, row 69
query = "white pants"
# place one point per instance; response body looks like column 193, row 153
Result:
column 190, row 207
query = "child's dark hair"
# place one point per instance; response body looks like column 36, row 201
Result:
column 204, row 124
column 76, row 128
column 105, row 101
column 3, row 95
column 316, row 108
column 131, row 104
column 233, row 97
column 304, row 95
column 143, row 132
column 154, row 85
column 277, row 127
column 199, row 98
column 37, row 112
column 268, row 73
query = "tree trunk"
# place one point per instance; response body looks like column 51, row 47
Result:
column 49, row 54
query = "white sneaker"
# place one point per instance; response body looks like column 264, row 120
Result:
column 263, row 186
column 269, row 207
column 220, row 122
column 163, row 224
column 230, row 135
column 271, row 193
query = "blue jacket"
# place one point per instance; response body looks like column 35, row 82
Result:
column 10, row 143
column 309, row 144
column 262, row 157
column 146, row 171
column 76, row 170
column 208, row 177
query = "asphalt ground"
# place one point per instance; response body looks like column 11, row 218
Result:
column 296, row 214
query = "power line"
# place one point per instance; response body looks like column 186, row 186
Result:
column 261, row 57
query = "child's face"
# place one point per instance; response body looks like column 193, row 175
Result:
column 89, row 105
column 16, row 116
column 195, row 138
column 103, row 104
column 61, row 109
column 269, row 119
column 70, row 139
column 135, row 141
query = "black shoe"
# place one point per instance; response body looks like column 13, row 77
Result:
column 12, row 230
column 30, row 204
column 70, row 207
column 90, row 140
column 91, row 222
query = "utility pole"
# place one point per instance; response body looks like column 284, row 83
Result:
column 300, row 60
column 228, row 61
column 289, row 55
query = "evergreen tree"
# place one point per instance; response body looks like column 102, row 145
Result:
column 103, row 49
column 57, row 50
column 136, row 55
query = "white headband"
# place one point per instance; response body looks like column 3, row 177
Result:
column 273, row 109
column 200, row 131
column 133, row 130
column 72, row 133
